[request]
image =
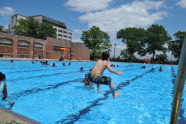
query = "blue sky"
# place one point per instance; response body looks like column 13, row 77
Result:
column 109, row 15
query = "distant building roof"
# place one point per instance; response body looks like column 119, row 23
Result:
column 19, row 15
column 50, row 20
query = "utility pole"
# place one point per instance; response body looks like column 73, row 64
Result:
column 171, row 53
column 114, row 49
column 33, row 49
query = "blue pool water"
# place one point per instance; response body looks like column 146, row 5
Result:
column 56, row 95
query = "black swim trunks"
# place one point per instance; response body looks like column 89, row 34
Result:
column 99, row 79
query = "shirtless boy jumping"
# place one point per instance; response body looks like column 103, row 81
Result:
column 96, row 77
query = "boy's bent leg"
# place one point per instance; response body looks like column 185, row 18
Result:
column 112, row 90
column 98, row 88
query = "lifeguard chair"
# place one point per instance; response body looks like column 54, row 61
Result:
column 62, row 56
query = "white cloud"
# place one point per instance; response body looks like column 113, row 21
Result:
column 182, row 3
column 77, row 40
column 7, row 11
column 88, row 5
column 135, row 14
column 77, row 31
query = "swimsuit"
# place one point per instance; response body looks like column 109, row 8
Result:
column 98, row 79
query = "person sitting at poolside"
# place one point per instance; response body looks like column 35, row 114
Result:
column 3, row 91
column 96, row 77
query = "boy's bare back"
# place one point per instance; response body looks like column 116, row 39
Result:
column 100, row 66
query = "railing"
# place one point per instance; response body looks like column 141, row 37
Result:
column 180, row 81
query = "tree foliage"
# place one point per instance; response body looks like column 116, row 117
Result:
column 125, row 54
column 134, row 38
column 32, row 28
column 161, row 57
column 96, row 40
column 157, row 36
column 176, row 45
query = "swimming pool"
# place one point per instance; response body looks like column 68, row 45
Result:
column 56, row 95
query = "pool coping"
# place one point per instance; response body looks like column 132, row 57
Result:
column 9, row 117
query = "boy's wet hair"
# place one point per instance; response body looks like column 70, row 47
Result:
column 2, row 76
column 105, row 55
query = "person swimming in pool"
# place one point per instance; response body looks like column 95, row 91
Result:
column 3, row 92
column 96, row 77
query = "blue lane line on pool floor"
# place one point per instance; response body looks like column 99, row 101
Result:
column 45, row 75
column 25, row 67
column 181, row 118
column 54, row 68
column 36, row 90
column 75, row 117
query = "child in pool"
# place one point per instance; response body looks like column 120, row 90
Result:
column 3, row 92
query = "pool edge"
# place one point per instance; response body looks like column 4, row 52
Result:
column 8, row 117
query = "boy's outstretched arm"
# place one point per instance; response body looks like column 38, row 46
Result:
column 112, row 70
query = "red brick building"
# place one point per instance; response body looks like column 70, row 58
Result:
column 26, row 47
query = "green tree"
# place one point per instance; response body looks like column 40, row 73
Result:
column 46, row 29
column 27, row 27
column 134, row 38
column 32, row 28
column 125, row 54
column 176, row 45
column 157, row 36
column 96, row 40
column 161, row 57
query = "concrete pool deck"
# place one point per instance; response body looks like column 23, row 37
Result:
column 10, row 117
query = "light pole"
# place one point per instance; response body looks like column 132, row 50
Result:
column 114, row 49
column 33, row 49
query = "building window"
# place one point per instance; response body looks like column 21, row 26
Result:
column 23, row 43
column 69, row 37
column 59, row 38
column 7, row 42
column 60, row 30
column 60, row 35
column 70, row 33
column 65, row 36
column 38, row 45
column 65, row 32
